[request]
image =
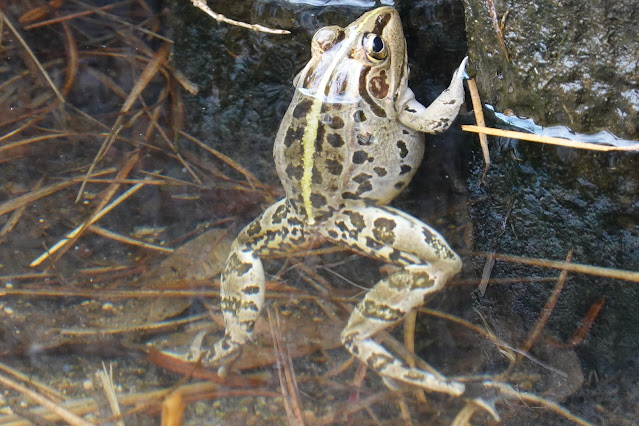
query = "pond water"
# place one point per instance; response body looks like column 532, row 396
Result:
column 122, row 190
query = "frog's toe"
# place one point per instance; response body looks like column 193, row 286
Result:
column 223, row 354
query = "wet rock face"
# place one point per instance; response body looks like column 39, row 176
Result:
column 571, row 62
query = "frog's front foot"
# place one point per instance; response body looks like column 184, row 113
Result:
column 441, row 113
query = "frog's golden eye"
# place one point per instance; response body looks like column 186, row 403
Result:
column 374, row 47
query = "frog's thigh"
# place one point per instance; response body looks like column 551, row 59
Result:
column 277, row 230
column 427, row 262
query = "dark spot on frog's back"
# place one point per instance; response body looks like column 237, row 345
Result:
column 365, row 139
column 349, row 196
column 360, row 157
column 318, row 200
column 250, row 306
column 357, row 220
column 383, row 230
column 316, row 178
column 381, row 172
column 237, row 266
column 378, row 87
column 335, row 140
column 254, row 228
column 403, row 150
column 250, row 289
column 293, row 135
column 319, row 139
column 381, row 22
column 336, row 122
column 302, row 108
column 361, row 178
column 359, row 116
column 334, row 167
column 294, row 172
column 405, row 168
column 364, row 187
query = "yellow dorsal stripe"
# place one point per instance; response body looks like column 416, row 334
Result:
column 310, row 132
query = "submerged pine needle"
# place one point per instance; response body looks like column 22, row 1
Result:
column 547, row 139
column 32, row 56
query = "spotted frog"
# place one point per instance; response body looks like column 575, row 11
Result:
column 349, row 143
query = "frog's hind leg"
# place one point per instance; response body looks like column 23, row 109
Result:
column 426, row 261
column 277, row 230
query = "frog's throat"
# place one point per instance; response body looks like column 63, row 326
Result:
column 310, row 131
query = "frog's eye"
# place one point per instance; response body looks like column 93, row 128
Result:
column 374, row 47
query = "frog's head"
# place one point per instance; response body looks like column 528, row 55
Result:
column 366, row 61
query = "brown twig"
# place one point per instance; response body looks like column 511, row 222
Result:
column 547, row 139
column 509, row 392
column 494, row 18
column 13, row 145
column 599, row 271
column 76, row 232
column 409, row 341
column 535, row 332
column 71, row 70
column 201, row 4
column 67, row 243
column 128, row 240
column 59, row 19
column 48, row 391
column 252, row 180
column 32, row 56
column 286, row 373
column 583, row 329
column 106, row 380
column 479, row 119
column 148, row 73
column 63, row 413
column 542, row 319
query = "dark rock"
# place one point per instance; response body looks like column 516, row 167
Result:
column 571, row 62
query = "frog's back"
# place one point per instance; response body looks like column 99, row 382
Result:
column 359, row 155
column 340, row 142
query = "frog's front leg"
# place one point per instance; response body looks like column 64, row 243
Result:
column 426, row 261
column 440, row 114
column 277, row 230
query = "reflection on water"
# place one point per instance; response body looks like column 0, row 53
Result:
column 528, row 124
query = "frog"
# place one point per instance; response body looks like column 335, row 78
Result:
column 349, row 143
